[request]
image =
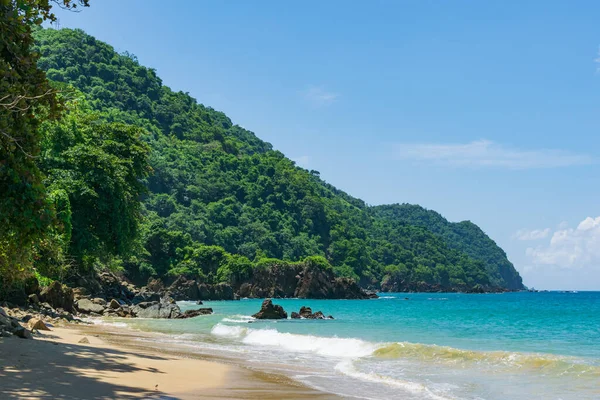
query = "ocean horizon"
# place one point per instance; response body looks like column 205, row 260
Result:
column 519, row 345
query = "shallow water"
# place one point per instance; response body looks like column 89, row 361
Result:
column 437, row 346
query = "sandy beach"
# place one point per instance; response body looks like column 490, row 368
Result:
column 112, row 366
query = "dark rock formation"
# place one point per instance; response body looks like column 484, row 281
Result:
column 270, row 311
column 306, row 313
column 303, row 282
column 145, row 295
column 58, row 296
column 195, row 313
column 392, row 284
column 220, row 291
column 184, row 289
column 22, row 333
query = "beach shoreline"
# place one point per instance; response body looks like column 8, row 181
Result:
column 116, row 364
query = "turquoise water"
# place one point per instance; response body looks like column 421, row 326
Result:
column 414, row 346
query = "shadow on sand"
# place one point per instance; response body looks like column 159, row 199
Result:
column 51, row 370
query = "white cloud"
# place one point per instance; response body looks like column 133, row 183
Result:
column 318, row 96
column 485, row 153
column 302, row 161
column 571, row 248
column 534, row 234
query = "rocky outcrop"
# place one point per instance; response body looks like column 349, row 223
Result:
column 220, row 291
column 395, row 284
column 195, row 313
column 306, row 282
column 268, row 310
column 58, row 295
column 184, row 289
column 306, row 313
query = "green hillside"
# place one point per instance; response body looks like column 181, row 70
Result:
column 219, row 201
column 463, row 236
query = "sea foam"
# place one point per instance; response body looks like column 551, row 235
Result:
column 324, row 346
column 347, row 368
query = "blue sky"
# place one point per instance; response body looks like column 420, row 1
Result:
column 478, row 110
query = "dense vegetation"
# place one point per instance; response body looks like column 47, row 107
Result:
column 216, row 201
column 464, row 236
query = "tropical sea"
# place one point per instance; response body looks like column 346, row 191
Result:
column 411, row 345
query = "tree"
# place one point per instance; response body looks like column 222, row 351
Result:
column 26, row 98
column 102, row 167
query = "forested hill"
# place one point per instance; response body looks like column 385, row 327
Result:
column 463, row 236
column 221, row 202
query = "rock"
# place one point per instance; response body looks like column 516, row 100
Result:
column 5, row 321
column 114, row 304
column 199, row 302
column 33, row 299
column 66, row 315
column 309, row 282
column 317, row 315
column 110, row 285
column 2, row 312
column 156, row 310
column 35, row 323
column 155, row 285
column 195, row 313
column 22, row 333
column 79, row 293
column 184, row 289
column 99, row 301
column 270, row 311
column 223, row 291
column 87, row 306
column 245, row 290
column 145, row 296
column 306, row 313
column 84, row 340
column 58, row 296
column 5, row 334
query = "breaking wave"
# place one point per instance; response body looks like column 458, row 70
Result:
column 348, row 348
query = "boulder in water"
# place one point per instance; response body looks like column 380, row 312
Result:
column 195, row 313
column 268, row 310
column 306, row 313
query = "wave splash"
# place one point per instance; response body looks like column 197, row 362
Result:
column 347, row 367
column 547, row 363
column 324, row 346
column 356, row 348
